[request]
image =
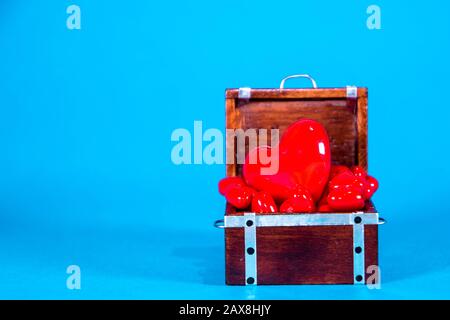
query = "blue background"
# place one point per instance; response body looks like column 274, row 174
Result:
column 86, row 117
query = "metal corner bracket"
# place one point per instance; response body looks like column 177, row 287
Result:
column 245, row 93
column 352, row 92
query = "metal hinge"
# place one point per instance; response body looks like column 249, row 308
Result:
column 352, row 92
column 245, row 93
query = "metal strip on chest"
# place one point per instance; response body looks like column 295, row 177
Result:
column 294, row 220
column 358, row 249
column 251, row 274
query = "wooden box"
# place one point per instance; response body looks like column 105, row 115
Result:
column 315, row 248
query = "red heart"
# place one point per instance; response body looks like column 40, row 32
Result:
column 370, row 187
column 239, row 196
column 304, row 159
column 348, row 199
column 346, row 192
column 337, row 169
column 227, row 183
column 346, row 180
column 279, row 185
column 263, row 202
column 300, row 201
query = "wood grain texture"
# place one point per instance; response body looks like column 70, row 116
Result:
column 371, row 245
column 299, row 255
column 362, row 125
column 345, row 122
column 234, row 256
column 231, row 121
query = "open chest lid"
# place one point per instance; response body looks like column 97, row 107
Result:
column 342, row 111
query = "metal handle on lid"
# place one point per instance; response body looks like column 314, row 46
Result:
column 314, row 84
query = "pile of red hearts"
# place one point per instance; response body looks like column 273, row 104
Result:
column 305, row 180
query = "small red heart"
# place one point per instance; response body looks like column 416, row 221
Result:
column 304, row 159
column 337, row 169
column 370, row 187
column 297, row 205
column 263, row 203
column 280, row 185
column 346, row 199
column 239, row 196
column 359, row 172
column 346, row 192
column 300, row 201
column 346, row 180
column 228, row 182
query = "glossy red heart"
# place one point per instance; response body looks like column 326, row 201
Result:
column 300, row 201
column 338, row 169
column 239, row 196
column 370, row 187
column 228, row 182
column 346, row 199
column 297, row 205
column 280, row 185
column 360, row 172
column 263, row 203
column 357, row 180
column 304, row 158
column 346, row 180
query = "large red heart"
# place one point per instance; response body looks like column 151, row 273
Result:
column 304, row 158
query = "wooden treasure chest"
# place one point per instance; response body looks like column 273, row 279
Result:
column 303, row 248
